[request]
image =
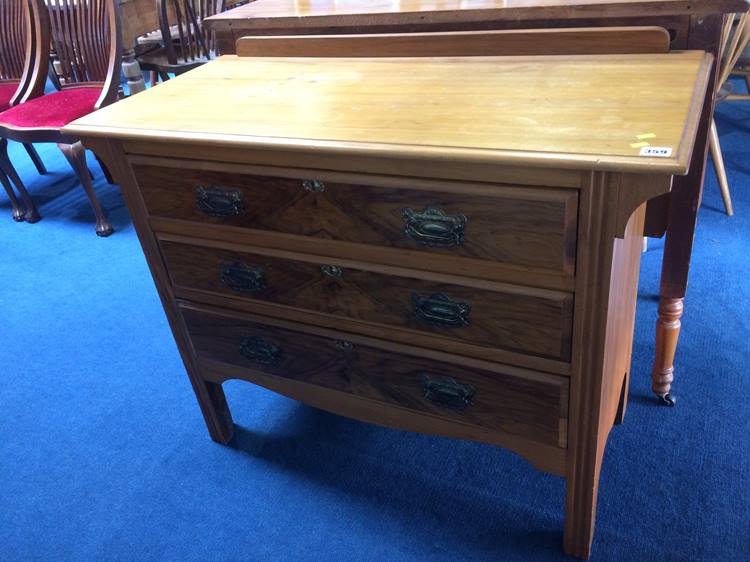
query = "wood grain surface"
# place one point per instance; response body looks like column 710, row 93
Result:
column 519, row 321
column 574, row 41
column 531, row 407
column 320, row 13
column 584, row 111
column 530, row 227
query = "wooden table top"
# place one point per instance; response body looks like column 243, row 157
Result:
column 583, row 112
column 318, row 13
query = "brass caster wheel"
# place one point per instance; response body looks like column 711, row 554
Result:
column 666, row 399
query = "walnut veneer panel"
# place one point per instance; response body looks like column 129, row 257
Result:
column 532, row 406
column 534, row 228
column 526, row 321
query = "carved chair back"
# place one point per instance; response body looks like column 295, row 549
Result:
column 19, row 62
column 186, row 40
column 87, row 40
column 14, row 35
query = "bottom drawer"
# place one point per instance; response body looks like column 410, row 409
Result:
column 512, row 401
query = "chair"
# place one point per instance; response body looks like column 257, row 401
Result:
column 19, row 78
column 184, row 45
column 742, row 68
column 86, row 38
column 735, row 39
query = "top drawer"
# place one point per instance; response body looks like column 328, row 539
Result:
column 531, row 227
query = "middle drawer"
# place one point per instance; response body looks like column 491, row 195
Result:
column 530, row 321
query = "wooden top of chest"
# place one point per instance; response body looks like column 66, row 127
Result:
column 316, row 13
column 580, row 112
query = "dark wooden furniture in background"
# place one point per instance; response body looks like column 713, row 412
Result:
column 20, row 80
column 462, row 272
column 187, row 45
column 86, row 37
column 140, row 20
column 693, row 24
column 569, row 41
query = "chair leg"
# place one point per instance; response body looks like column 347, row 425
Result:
column 31, row 214
column 107, row 173
column 34, row 155
column 721, row 173
column 18, row 211
column 75, row 154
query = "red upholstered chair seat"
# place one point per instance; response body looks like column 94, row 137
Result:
column 7, row 89
column 53, row 110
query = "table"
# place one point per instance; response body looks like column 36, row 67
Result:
column 470, row 271
column 692, row 25
column 138, row 18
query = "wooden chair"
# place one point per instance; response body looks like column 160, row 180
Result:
column 184, row 44
column 735, row 38
column 20, row 78
column 86, row 37
column 742, row 68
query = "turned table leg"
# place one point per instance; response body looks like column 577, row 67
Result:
column 667, row 333
column 684, row 203
column 684, row 200
column 132, row 71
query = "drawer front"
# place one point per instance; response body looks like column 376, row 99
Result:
column 533, row 406
column 519, row 226
column 536, row 324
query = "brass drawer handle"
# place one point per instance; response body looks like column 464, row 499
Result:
column 432, row 227
column 261, row 351
column 216, row 202
column 447, row 391
column 243, row 278
column 440, row 310
column 314, row 186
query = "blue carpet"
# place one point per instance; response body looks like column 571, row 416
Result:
column 104, row 455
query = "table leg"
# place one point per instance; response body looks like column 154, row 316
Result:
column 684, row 201
column 667, row 333
column 132, row 71
column 210, row 395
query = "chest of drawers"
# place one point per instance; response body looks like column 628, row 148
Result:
column 470, row 275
